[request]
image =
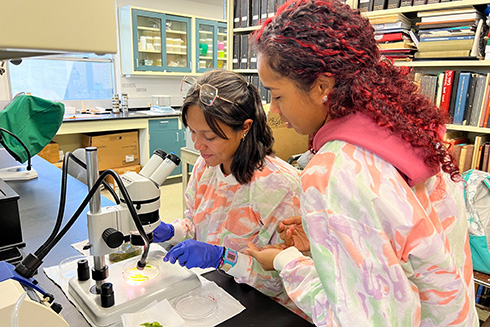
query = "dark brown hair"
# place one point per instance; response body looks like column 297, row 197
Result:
column 253, row 149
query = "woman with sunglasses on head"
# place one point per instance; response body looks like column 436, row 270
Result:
column 382, row 201
column 238, row 191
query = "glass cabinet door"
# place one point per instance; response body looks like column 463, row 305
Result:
column 178, row 43
column 222, row 45
column 147, row 40
column 206, row 45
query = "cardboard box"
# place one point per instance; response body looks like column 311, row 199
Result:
column 50, row 152
column 121, row 171
column 287, row 141
column 114, row 150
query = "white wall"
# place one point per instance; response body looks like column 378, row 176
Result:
column 140, row 89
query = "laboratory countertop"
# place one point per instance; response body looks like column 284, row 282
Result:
column 132, row 114
column 38, row 205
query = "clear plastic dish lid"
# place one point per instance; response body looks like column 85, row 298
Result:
column 195, row 307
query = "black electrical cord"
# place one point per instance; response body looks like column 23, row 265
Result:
column 29, row 167
column 64, row 176
column 134, row 215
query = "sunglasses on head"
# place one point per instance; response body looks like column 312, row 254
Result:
column 207, row 93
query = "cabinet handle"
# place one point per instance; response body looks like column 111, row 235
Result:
column 177, row 136
column 163, row 121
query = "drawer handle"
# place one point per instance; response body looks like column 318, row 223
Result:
column 164, row 122
column 177, row 136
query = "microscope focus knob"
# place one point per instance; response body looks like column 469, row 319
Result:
column 113, row 238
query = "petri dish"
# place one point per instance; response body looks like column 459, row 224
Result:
column 68, row 266
column 135, row 276
column 194, row 307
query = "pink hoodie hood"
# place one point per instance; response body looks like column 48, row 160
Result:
column 361, row 130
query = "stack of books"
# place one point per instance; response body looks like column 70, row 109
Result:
column 451, row 33
column 393, row 34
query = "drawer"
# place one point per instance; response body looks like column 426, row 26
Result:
column 163, row 124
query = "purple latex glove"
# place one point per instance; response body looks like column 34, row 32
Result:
column 192, row 253
column 163, row 232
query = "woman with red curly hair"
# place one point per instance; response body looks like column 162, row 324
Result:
column 382, row 202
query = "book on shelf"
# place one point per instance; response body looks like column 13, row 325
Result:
column 388, row 26
column 475, row 95
column 478, row 99
column 479, row 140
column 391, row 30
column 447, row 38
column 454, row 92
column 441, row 54
column 484, row 106
column 461, row 97
column 447, row 31
column 465, row 157
column 485, row 157
column 396, row 45
column 450, row 11
column 486, row 121
column 391, row 18
column 452, row 138
column 449, row 17
column 456, row 153
column 450, row 45
column 447, row 23
column 391, row 37
column 440, row 82
column 428, row 86
column 446, row 90
column 478, row 48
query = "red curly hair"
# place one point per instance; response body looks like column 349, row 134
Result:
column 308, row 38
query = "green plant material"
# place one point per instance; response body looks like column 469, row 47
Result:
column 151, row 324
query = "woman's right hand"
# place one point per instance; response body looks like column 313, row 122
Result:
column 293, row 234
column 163, row 232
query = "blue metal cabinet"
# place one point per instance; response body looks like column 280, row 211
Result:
column 165, row 134
column 211, row 45
column 161, row 42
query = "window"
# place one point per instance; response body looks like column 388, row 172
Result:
column 71, row 77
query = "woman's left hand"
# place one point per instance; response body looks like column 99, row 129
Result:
column 264, row 257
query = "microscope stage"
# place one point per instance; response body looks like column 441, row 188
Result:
column 130, row 296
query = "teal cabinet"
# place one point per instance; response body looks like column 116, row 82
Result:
column 154, row 42
column 168, row 135
column 211, row 45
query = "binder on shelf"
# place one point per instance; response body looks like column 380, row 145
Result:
column 252, row 62
column 263, row 9
column 244, row 55
column 255, row 81
column 419, row 2
column 379, row 4
column 236, row 51
column 236, row 13
column 393, row 4
column 405, row 3
column 245, row 13
column 461, row 97
column 271, row 8
column 365, row 5
column 255, row 12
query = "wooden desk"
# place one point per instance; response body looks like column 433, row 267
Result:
column 38, row 206
column 188, row 157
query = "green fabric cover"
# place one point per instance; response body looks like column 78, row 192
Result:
column 32, row 119
column 479, row 253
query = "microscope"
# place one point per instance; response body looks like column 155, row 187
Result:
column 133, row 283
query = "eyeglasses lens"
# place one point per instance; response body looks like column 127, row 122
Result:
column 208, row 94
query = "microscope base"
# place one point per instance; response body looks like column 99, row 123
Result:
column 172, row 281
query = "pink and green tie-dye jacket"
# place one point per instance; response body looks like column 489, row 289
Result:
column 221, row 211
column 383, row 253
